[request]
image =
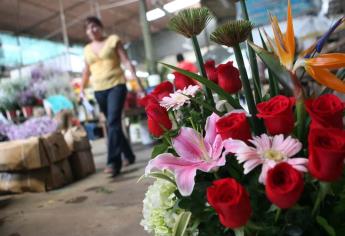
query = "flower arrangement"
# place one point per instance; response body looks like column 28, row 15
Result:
column 274, row 168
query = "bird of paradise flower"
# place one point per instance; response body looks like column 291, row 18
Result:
column 318, row 66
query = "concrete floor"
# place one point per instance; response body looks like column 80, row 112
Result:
column 96, row 205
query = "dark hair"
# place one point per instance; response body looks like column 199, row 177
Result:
column 94, row 20
column 179, row 57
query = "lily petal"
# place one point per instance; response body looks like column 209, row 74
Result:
column 326, row 78
column 185, row 180
column 210, row 128
column 234, row 145
column 327, row 61
column 188, row 144
column 168, row 161
column 217, row 147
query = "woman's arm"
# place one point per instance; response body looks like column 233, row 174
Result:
column 127, row 63
column 86, row 78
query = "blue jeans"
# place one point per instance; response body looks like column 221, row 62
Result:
column 111, row 102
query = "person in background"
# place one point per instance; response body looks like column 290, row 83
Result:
column 103, row 58
column 184, row 64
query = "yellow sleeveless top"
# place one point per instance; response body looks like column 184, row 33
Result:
column 105, row 68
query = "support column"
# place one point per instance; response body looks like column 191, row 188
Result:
column 145, row 27
column 63, row 26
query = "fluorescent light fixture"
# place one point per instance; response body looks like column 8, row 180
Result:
column 142, row 74
column 154, row 14
column 179, row 4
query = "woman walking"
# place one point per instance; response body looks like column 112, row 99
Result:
column 103, row 58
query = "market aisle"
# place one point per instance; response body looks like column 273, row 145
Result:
column 96, row 205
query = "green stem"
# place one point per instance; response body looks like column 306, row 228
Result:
column 202, row 68
column 192, row 123
column 246, row 87
column 278, row 212
column 216, row 175
column 167, row 139
column 301, row 117
column 274, row 89
column 323, row 191
column 175, row 119
column 252, row 59
column 206, row 106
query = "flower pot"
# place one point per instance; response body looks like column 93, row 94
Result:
column 11, row 114
column 27, row 111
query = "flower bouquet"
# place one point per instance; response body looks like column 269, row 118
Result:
column 273, row 168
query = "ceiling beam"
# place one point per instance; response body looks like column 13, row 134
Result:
column 51, row 17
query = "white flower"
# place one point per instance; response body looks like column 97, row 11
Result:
column 180, row 97
column 159, row 213
column 267, row 151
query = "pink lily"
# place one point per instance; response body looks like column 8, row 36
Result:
column 195, row 153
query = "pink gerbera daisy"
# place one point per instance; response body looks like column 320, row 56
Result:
column 268, row 151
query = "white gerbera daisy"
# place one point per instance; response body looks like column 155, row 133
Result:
column 179, row 98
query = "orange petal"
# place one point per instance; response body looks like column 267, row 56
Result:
column 326, row 78
column 328, row 61
column 290, row 35
column 280, row 43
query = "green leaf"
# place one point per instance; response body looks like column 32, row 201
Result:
column 181, row 223
column 324, row 224
column 158, row 175
column 209, row 84
column 274, row 89
column 159, row 149
column 273, row 63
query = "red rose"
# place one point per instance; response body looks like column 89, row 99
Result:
column 284, row 185
column 146, row 100
column 211, row 71
column 277, row 114
column 229, row 78
column 157, row 119
column 163, row 90
column 234, row 125
column 181, row 81
column 326, row 111
column 326, row 153
column 231, row 202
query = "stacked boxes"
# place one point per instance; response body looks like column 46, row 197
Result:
column 36, row 164
column 81, row 160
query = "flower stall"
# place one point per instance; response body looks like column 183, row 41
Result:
column 272, row 165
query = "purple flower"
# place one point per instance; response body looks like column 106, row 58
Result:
column 32, row 128
column 321, row 42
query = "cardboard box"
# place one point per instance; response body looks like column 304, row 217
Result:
column 55, row 176
column 25, row 154
column 60, row 174
column 77, row 139
column 56, row 147
column 82, row 164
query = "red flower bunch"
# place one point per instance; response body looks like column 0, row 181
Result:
column 277, row 114
column 225, row 75
column 231, row 202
